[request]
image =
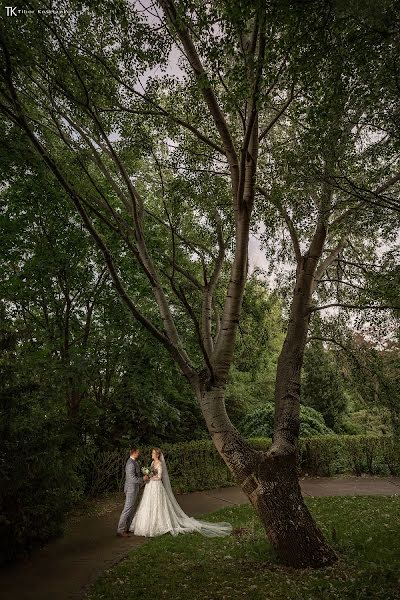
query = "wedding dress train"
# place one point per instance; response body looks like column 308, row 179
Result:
column 159, row 512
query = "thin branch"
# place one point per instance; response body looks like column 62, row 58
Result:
column 279, row 114
column 181, row 29
column 180, row 294
column 341, row 281
column 185, row 273
column 325, row 264
column 289, row 223
column 387, row 203
column 354, row 307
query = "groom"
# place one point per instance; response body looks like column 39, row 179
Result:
column 133, row 481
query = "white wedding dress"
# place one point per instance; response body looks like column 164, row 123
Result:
column 159, row 512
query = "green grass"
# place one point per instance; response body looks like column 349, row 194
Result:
column 365, row 531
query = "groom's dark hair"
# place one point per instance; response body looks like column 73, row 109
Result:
column 133, row 449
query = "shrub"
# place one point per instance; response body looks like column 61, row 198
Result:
column 391, row 454
column 197, row 465
column 192, row 466
column 322, row 455
column 322, row 385
column 260, row 423
column 38, row 486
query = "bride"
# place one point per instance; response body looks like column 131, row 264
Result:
column 159, row 512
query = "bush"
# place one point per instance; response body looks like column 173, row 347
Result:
column 260, row 423
column 38, row 481
column 391, row 454
column 38, row 485
column 192, row 466
column 353, row 454
column 322, row 385
column 323, row 455
column 198, row 466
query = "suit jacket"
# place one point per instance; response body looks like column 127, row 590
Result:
column 133, row 477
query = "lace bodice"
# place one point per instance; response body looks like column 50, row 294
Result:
column 158, row 471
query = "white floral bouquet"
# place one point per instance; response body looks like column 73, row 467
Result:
column 149, row 471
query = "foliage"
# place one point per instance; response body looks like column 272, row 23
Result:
column 38, row 460
column 370, row 373
column 260, row 423
column 374, row 374
column 74, row 338
column 322, row 385
column 363, row 530
column 197, row 465
column 252, row 376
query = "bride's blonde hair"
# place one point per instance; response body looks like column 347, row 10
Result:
column 158, row 451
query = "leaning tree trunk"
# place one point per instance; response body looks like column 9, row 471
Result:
column 271, row 483
column 270, row 479
column 291, row 527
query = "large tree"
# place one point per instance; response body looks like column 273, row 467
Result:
column 332, row 187
column 157, row 160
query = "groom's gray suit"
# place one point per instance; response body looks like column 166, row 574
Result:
column 133, row 481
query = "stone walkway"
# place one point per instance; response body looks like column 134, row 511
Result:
column 64, row 569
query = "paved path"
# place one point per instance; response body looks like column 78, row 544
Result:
column 66, row 566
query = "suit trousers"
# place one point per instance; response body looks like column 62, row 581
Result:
column 128, row 511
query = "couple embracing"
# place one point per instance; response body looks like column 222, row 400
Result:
column 158, row 511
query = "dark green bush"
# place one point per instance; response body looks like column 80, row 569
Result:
column 323, row 385
column 391, row 454
column 38, row 485
column 353, row 454
column 260, row 423
column 38, row 480
column 323, row 455
column 192, row 466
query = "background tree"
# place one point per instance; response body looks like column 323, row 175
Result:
column 323, row 387
column 260, row 422
column 252, row 376
column 326, row 184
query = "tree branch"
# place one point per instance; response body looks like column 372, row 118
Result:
column 289, row 223
column 178, row 354
column 181, row 29
column 379, row 190
column 209, row 288
column 275, row 119
column 325, row 264
column 354, row 307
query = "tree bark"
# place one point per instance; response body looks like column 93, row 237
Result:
column 74, row 398
column 277, row 495
column 271, row 483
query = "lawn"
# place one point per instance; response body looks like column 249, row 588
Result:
column 364, row 530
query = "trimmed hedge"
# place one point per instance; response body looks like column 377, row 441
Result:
column 198, row 466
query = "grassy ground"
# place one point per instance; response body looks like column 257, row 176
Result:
column 365, row 531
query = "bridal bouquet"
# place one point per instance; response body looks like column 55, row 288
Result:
column 149, row 471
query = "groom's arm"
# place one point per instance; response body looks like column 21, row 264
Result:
column 136, row 477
